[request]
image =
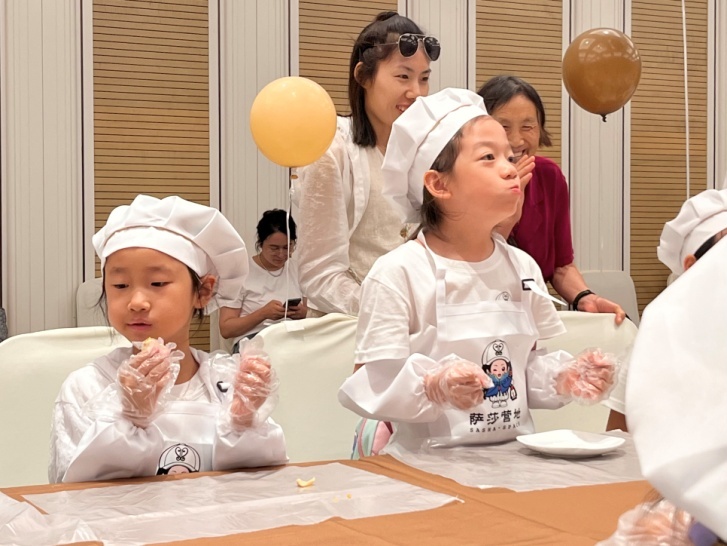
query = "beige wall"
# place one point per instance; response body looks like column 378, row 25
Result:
column 45, row 231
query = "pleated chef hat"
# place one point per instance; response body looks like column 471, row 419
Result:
column 700, row 217
column 198, row 236
column 417, row 137
column 675, row 393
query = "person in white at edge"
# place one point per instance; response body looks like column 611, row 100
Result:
column 701, row 222
column 271, row 282
column 344, row 223
column 677, row 379
column 162, row 260
column 458, row 289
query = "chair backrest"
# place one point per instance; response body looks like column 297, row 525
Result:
column 586, row 330
column 617, row 286
column 311, row 364
column 33, row 367
column 88, row 312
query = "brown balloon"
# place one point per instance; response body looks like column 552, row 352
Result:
column 601, row 70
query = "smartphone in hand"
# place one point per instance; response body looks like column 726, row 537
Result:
column 294, row 302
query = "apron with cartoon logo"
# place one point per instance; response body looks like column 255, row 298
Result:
column 189, row 430
column 497, row 335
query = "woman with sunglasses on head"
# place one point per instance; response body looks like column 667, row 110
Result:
column 344, row 222
column 541, row 225
column 272, row 291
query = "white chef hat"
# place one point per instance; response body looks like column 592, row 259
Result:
column 675, row 393
column 700, row 217
column 196, row 235
column 417, row 137
column 180, row 455
column 497, row 350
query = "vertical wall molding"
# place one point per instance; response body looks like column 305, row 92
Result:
column 719, row 131
column 89, row 255
column 214, row 100
column 3, row 158
column 597, row 172
column 42, row 180
column 254, row 38
column 448, row 21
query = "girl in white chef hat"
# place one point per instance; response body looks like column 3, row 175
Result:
column 677, row 380
column 164, row 260
column 431, row 308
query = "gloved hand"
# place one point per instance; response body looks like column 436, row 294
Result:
column 652, row 524
column 254, row 384
column 589, row 378
column 145, row 377
column 457, row 383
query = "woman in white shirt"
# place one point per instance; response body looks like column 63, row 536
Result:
column 272, row 290
column 345, row 223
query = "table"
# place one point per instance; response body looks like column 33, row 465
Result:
column 569, row 516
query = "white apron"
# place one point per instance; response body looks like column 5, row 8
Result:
column 498, row 335
column 188, row 430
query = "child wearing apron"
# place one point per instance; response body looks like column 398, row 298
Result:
column 162, row 406
column 448, row 321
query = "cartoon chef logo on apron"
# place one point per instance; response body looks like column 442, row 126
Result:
column 496, row 364
column 179, row 459
column 500, row 334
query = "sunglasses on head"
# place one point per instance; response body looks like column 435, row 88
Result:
column 409, row 43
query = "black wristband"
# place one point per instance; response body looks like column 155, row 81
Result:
column 579, row 297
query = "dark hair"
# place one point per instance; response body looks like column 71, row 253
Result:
column 273, row 221
column 196, row 289
column 385, row 29
column 431, row 214
column 499, row 90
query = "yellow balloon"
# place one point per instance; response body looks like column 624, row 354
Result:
column 293, row 121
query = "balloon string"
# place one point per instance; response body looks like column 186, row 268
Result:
column 686, row 92
column 293, row 178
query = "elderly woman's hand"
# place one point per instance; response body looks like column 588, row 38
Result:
column 593, row 303
column 525, row 167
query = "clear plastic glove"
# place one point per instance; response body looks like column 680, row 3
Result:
column 589, row 378
column 457, row 383
column 255, row 386
column 145, row 378
column 652, row 524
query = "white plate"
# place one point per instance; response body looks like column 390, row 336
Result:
column 571, row 443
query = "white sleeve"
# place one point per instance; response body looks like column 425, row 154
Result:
column 84, row 448
column 382, row 331
column 541, row 372
column 390, row 390
column 323, row 236
column 390, row 384
column 261, row 445
column 544, row 312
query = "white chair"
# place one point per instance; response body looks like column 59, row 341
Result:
column 311, row 364
column 33, row 367
column 587, row 330
column 88, row 313
column 617, row 286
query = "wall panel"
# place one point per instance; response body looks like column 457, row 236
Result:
column 151, row 105
column 524, row 38
column 41, row 186
column 658, row 129
column 327, row 32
